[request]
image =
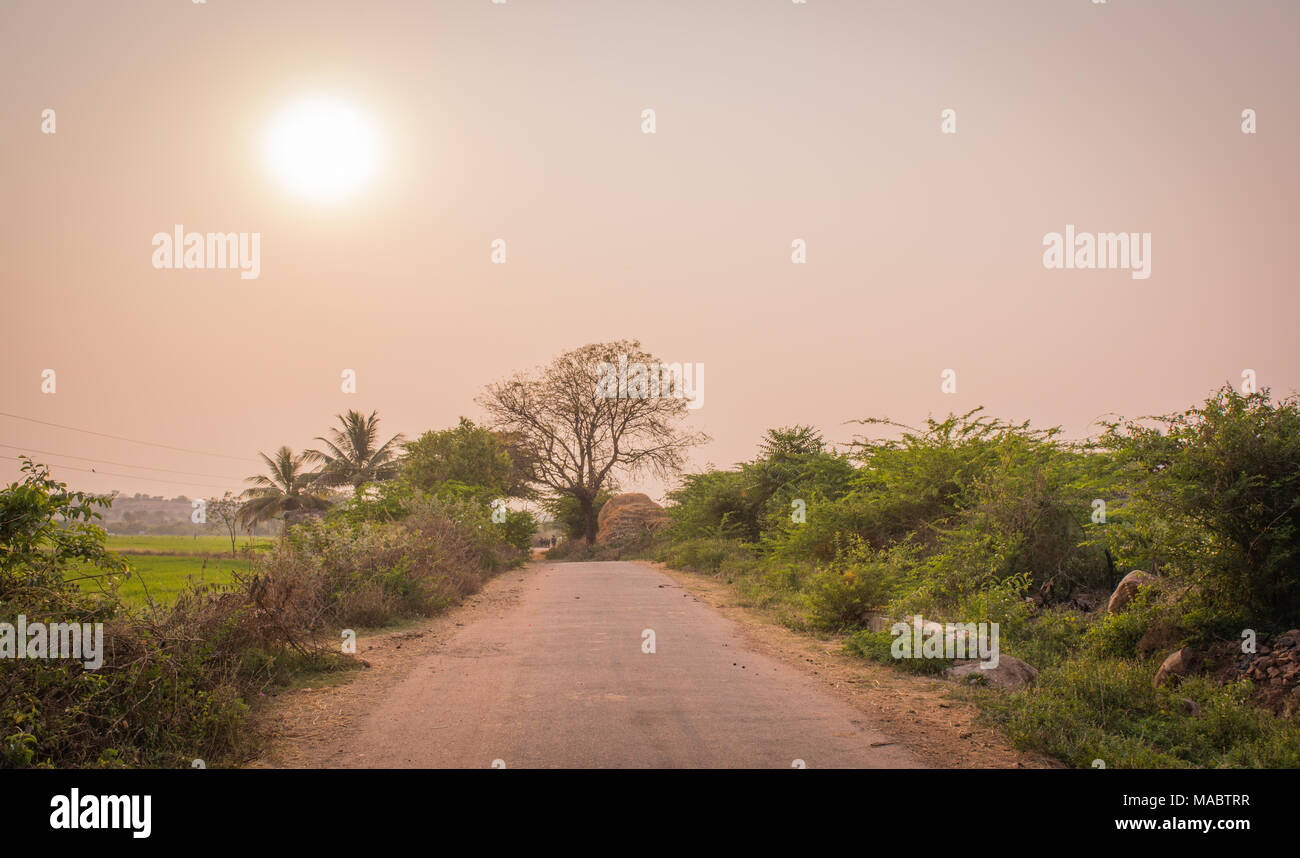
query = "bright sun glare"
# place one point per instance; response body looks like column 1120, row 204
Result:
column 322, row 149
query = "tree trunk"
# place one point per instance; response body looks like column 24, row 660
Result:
column 589, row 524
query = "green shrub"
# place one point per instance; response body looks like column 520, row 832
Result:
column 755, row 501
column 1216, row 501
column 1048, row 638
column 520, row 526
column 1117, row 635
column 858, row 581
column 705, row 554
column 879, row 647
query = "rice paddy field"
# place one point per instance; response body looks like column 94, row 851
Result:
column 162, row 566
column 207, row 543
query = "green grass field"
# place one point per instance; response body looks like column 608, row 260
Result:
column 162, row 566
column 207, row 543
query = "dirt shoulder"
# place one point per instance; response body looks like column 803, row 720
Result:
column 922, row 714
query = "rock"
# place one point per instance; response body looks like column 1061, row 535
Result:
column 1189, row 706
column 1011, row 673
column 1288, row 639
column 876, row 622
column 1127, row 589
column 625, row 517
column 1184, row 662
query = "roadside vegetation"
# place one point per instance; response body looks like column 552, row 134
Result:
column 196, row 630
column 974, row 519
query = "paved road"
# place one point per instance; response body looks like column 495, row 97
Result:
column 560, row 681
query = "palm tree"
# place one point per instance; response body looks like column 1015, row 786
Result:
column 287, row 489
column 350, row 457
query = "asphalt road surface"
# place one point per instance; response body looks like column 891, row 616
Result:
column 561, row 680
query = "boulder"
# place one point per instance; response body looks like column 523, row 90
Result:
column 628, row 516
column 1183, row 662
column 1127, row 589
column 1011, row 673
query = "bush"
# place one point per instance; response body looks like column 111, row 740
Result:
column 858, row 581
column 1117, row 635
column 520, row 526
column 371, row 572
column 755, row 501
column 1216, row 501
column 704, row 554
column 1048, row 638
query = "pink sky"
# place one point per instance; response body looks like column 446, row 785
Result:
column 522, row 121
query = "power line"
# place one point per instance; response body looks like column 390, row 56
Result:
column 118, row 464
column 129, row 476
column 128, row 440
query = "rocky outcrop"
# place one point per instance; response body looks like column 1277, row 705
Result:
column 626, row 517
column 1011, row 673
column 1127, row 589
column 1275, row 672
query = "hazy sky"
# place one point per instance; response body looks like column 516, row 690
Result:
column 775, row 121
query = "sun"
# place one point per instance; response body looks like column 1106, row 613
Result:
column 322, row 149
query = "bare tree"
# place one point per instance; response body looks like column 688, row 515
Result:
column 583, row 424
column 225, row 511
